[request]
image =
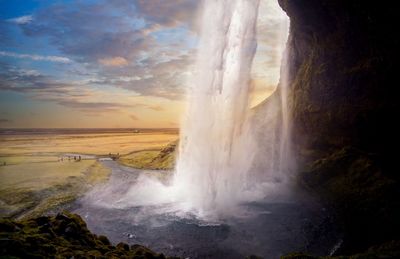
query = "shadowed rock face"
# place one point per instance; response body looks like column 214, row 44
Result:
column 345, row 107
column 343, row 56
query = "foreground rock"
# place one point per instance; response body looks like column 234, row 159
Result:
column 390, row 250
column 62, row 236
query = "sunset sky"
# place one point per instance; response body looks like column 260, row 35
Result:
column 115, row 63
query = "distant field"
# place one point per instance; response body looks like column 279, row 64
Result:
column 34, row 181
column 94, row 144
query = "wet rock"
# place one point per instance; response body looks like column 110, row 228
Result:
column 142, row 251
column 41, row 221
column 253, row 257
column 7, row 226
column 298, row 256
column 390, row 250
column 104, row 240
column 123, row 246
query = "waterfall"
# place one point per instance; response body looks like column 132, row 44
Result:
column 229, row 154
column 216, row 145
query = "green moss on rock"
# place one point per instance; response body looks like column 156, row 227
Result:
column 62, row 236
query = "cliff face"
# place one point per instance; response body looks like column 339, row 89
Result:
column 345, row 107
column 343, row 74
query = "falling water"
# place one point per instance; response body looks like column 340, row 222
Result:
column 215, row 151
column 223, row 159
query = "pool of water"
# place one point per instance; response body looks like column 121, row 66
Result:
column 269, row 228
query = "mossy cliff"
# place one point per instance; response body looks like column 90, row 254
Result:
column 344, row 105
column 62, row 236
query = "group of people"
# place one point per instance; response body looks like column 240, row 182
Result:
column 76, row 158
column 113, row 156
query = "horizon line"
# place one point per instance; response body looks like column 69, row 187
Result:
column 1, row 128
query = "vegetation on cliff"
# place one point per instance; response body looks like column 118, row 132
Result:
column 163, row 159
column 62, row 236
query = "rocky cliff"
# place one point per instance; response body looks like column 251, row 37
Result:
column 344, row 105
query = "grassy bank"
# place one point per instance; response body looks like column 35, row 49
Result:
column 155, row 159
column 33, row 189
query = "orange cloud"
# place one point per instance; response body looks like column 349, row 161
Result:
column 156, row 108
column 134, row 117
column 114, row 61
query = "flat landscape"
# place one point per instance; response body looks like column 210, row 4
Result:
column 43, row 171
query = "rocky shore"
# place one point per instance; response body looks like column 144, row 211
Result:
column 62, row 236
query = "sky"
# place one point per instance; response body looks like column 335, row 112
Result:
column 112, row 63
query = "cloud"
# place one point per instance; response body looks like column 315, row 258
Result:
column 89, row 31
column 120, row 53
column 156, row 108
column 5, row 121
column 46, row 88
column 114, row 61
column 21, row 80
column 151, row 78
column 134, row 117
column 272, row 32
column 121, row 39
column 168, row 13
column 74, row 95
column 146, row 47
column 96, row 107
column 22, row 19
column 35, row 57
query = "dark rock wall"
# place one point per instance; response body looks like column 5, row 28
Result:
column 344, row 56
column 344, row 94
